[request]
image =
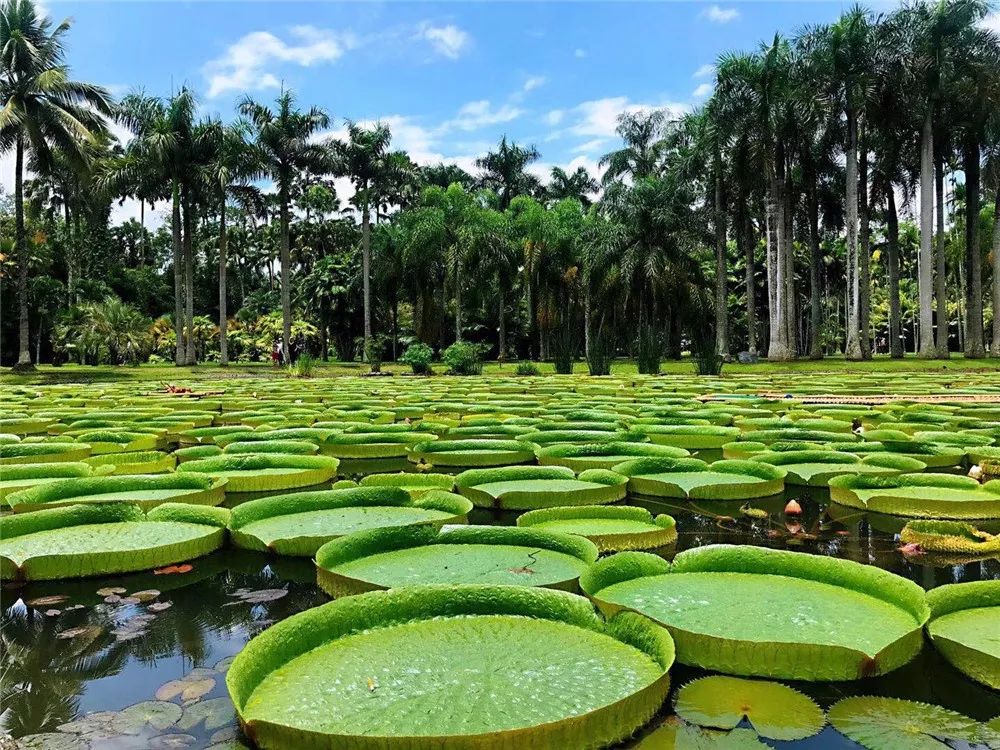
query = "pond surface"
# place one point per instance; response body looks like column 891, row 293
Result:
column 87, row 649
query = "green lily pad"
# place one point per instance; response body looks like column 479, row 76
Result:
column 611, row 527
column 919, row 495
column 775, row 710
column 213, row 713
column 965, row 628
column 526, row 487
column 158, row 714
column 673, row 735
column 880, row 723
column 52, row 741
column 408, row 664
column 393, row 557
column 693, row 478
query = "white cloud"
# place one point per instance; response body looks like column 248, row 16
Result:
column 449, row 41
column 533, row 83
column 702, row 91
column 598, row 118
column 704, row 71
column 474, row 115
column 579, row 54
column 718, row 14
column 243, row 66
column 590, row 146
column 554, row 117
column 992, row 22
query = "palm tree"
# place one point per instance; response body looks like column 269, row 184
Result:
column 443, row 175
column 362, row 158
column 43, row 110
column 579, row 185
column 642, row 154
column 283, row 139
column 504, row 171
column 231, row 164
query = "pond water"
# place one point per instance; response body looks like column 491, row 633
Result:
column 86, row 650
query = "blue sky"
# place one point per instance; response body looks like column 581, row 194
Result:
column 449, row 78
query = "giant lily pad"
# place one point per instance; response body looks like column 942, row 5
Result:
column 950, row 538
column 144, row 490
column 301, row 523
column 919, row 495
column 693, row 478
column 23, row 476
column 816, row 468
column 134, row 462
column 800, row 616
column 603, row 455
column 405, row 668
column 880, row 723
column 690, row 437
column 413, row 483
column 527, row 487
column 674, row 735
column 612, row 528
column 469, row 453
column 393, row 557
column 91, row 540
column 36, row 453
column 965, row 628
column 388, row 444
column 264, row 472
column 774, row 710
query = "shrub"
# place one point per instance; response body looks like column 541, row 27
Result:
column 373, row 352
column 564, row 350
column 418, row 356
column 304, row 365
column 464, row 358
column 648, row 350
column 527, row 368
column 600, row 355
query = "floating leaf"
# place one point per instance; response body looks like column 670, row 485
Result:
column 46, row 601
column 160, row 606
column 53, row 612
column 880, row 723
column 260, row 596
column 170, row 741
column 128, row 600
column 223, row 665
column 112, row 599
column 51, row 741
column 145, row 596
column 89, row 630
column 110, row 590
column 673, row 735
column 775, row 710
column 186, row 689
column 224, row 735
column 159, row 714
column 173, row 569
column 216, row 713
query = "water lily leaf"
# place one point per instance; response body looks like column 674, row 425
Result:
column 170, row 741
column 91, row 631
column 53, row 612
column 880, row 723
column 223, row 665
column 264, row 595
column 112, row 599
column 145, row 596
column 229, row 745
column 110, row 590
column 98, row 725
column 160, row 606
column 216, row 713
column 51, row 741
column 128, row 600
column 775, row 710
column 47, row 601
column 673, row 735
column 172, row 569
column 126, row 634
column 225, row 735
column 186, row 689
column 159, row 714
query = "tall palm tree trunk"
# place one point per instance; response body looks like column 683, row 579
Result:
column 864, row 249
column 974, row 348
column 892, row 261
column 940, row 270
column 189, row 221
column 21, row 243
column 366, row 263
column 286, row 283
column 815, row 271
column 744, row 236
column 925, row 279
column 175, row 236
column 995, row 347
column 223, row 262
column 502, row 323
column 853, row 347
column 458, row 299
column 721, row 294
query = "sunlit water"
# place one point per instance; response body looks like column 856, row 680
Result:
column 123, row 654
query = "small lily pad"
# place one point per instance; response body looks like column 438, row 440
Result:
column 51, row 741
column 673, row 735
column 171, row 741
column 880, row 723
column 110, row 590
column 775, row 710
column 91, row 631
column 46, row 601
column 215, row 713
column 145, row 596
column 260, row 596
column 223, row 665
column 160, row 606
column 186, row 689
column 158, row 714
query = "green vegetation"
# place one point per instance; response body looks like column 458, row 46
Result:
column 963, row 628
column 612, row 528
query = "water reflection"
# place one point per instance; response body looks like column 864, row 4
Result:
column 48, row 680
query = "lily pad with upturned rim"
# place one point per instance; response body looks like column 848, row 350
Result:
column 406, row 665
column 144, row 490
column 919, row 495
column 471, row 453
column 965, row 628
column 693, row 478
column 499, row 555
column 603, row 455
column 530, row 487
column 264, row 472
column 612, row 528
column 815, row 468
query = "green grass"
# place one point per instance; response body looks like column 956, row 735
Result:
column 47, row 374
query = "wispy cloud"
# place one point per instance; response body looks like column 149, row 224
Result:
column 579, row 53
column 718, row 14
column 478, row 114
column 702, row 91
column 448, row 41
column 704, row 71
column 246, row 64
column 533, row 83
column 598, row 118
